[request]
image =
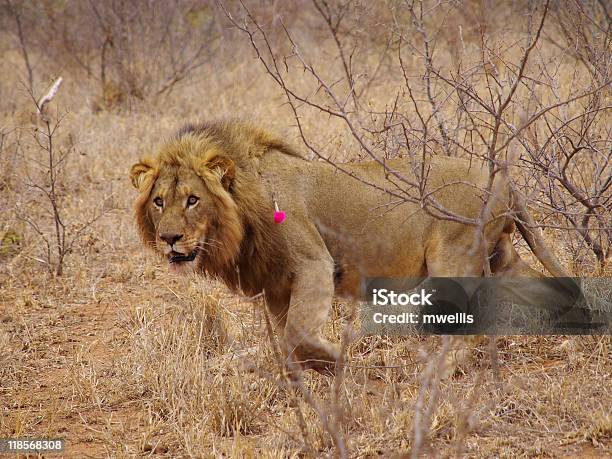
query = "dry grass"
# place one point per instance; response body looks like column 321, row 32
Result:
column 124, row 360
column 148, row 363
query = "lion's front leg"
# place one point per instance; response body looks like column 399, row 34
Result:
column 311, row 299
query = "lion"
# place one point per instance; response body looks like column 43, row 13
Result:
column 207, row 200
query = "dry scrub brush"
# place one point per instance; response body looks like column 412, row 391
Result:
column 462, row 84
column 130, row 50
column 209, row 386
column 40, row 182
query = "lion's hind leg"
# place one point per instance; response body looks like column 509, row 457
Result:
column 505, row 260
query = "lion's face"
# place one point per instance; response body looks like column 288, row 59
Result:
column 181, row 210
column 186, row 211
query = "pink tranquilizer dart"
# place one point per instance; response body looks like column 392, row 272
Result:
column 279, row 215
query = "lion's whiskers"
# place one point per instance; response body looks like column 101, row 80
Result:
column 206, row 245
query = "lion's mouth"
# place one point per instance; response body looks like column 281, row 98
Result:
column 178, row 257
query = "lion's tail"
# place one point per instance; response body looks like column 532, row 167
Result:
column 532, row 235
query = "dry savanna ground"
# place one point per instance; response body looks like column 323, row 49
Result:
column 123, row 359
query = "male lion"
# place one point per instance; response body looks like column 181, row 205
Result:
column 207, row 202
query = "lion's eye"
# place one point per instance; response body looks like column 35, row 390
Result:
column 192, row 200
column 159, row 202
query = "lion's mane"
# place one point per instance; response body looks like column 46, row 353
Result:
column 246, row 246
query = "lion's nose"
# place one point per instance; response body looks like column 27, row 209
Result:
column 170, row 238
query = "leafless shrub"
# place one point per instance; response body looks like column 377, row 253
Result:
column 132, row 49
column 497, row 90
column 43, row 169
column 148, row 47
column 572, row 148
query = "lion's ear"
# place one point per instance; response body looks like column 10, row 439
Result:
column 224, row 168
column 139, row 173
